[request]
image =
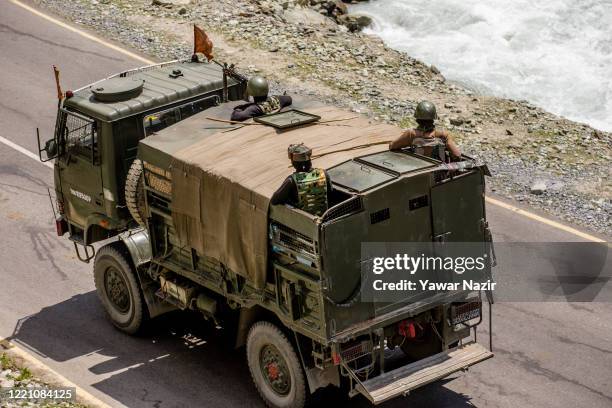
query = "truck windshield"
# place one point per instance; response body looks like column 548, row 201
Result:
column 156, row 121
column 79, row 133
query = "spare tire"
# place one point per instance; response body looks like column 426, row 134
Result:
column 134, row 192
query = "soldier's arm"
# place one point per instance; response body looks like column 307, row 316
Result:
column 248, row 113
column 403, row 141
column 451, row 145
column 286, row 193
column 285, row 100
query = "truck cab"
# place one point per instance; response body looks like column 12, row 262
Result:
column 96, row 137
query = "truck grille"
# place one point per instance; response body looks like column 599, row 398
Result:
column 357, row 351
column 294, row 240
column 351, row 206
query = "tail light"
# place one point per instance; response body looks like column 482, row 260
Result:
column 336, row 358
column 61, row 226
column 407, row 328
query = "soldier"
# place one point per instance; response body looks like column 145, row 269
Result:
column 257, row 87
column 307, row 189
column 426, row 139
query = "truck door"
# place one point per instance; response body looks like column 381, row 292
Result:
column 80, row 174
column 457, row 207
column 458, row 216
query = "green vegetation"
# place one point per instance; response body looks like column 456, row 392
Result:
column 6, row 362
column 24, row 374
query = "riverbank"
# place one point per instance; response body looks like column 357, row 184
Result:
column 537, row 158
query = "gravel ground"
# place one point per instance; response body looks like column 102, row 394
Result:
column 537, row 158
column 12, row 376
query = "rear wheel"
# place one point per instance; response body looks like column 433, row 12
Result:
column 118, row 288
column 275, row 367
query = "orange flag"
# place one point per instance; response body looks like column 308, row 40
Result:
column 60, row 95
column 201, row 42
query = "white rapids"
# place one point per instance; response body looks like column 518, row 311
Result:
column 556, row 54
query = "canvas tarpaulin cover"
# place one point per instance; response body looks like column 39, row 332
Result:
column 223, row 182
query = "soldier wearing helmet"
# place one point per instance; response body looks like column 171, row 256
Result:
column 307, row 189
column 262, row 104
column 425, row 138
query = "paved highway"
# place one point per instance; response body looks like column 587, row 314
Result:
column 547, row 354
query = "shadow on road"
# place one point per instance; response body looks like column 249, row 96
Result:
column 181, row 361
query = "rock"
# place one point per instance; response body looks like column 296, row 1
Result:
column 509, row 132
column 538, row 188
column 380, row 62
column 355, row 22
column 340, row 7
column 456, row 121
column 166, row 3
column 6, row 383
column 301, row 17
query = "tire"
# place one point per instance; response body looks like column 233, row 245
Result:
column 275, row 367
column 134, row 192
column 118, row 288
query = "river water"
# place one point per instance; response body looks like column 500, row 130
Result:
column 556, row 54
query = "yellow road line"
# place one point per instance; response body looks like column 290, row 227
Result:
column 82, row 33
column 490, row 200
column 543, row 220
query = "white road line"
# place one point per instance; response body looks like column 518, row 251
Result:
column 82, row 33
column 24, row 151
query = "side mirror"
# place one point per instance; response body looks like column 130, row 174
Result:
column 51, row 148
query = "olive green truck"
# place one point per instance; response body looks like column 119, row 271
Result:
column 178, row 204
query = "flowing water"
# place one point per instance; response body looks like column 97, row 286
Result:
column 556, row 54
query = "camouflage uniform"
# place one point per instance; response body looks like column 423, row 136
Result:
column 312, row 191
column 308, row 188
column 271, row 105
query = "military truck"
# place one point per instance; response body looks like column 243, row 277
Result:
column 178, row 201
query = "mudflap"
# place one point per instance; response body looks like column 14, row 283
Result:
column 402, row 380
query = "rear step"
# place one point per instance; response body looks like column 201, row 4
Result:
column 409, row 377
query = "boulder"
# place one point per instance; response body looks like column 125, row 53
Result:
column 169, row 3
column 538, row 188
column 355, row 22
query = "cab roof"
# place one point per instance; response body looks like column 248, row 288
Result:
column 162, row 85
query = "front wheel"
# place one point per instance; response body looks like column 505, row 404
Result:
column 275, row 367
column 118, row 288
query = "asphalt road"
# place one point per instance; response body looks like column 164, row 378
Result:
column 547, row 354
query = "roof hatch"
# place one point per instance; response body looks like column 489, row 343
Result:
column 117, row 89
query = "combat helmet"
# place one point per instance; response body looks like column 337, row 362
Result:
column 257, row 87
column 299, row 152
column 425, row 110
